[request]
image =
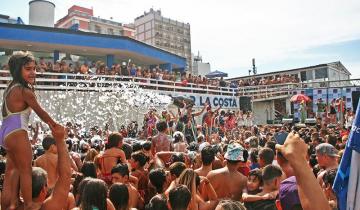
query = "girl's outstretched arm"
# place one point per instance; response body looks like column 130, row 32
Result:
column 30, row 100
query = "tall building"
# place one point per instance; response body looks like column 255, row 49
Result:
column 80, row 18
column 164, row 33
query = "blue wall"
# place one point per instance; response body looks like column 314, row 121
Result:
column 72, row 38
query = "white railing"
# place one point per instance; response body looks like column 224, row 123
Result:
column 62, row 81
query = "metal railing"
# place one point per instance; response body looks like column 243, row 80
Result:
column 62, row 81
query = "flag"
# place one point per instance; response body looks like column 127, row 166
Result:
column 347, row 184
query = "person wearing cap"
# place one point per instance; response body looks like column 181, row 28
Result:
column 227, row 181
column 327, row 157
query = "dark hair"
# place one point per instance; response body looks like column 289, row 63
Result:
column 161, row 126
column 79, row 189
column 231, row 205
column 69, row 144
column 332, row 140
column 140, row 157
column 177, row 168
column 254, row 155
column 271, row 172
column 267, row 155
column 258, row 174
column 121, row 169
column 146, row 145
column 179, row 197
column 329, row 177
column 157, row 203
column 119, row 196
column 94, row 195
column 177, row 157
column 16, row 62
column 136, row 146
column 39, row 180
column 178, row 137
column 207, row 155
column 157, row 178
column 89, row 169
column 47, row 142
column 114, row 140
column 127, row 150
column 271, row 145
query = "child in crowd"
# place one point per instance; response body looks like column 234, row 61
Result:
column 18, row 101
column 253, row 186
column 271, row 176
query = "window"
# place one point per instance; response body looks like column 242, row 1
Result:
column 321, row 73
column 303, row 76
column 110, row 31
column 75, row 21
column 97, row 29
column 309, row 75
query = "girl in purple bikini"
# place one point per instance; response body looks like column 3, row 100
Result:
column 18, row 101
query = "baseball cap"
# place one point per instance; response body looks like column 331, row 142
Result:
column 234, row 152
column 326, row 149
column 288, row 193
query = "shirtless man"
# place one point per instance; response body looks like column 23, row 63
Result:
column 48, row 161
column 227, row 181
column 207, row 158
column 59, row 195
column 161, row 142
column 120, row 174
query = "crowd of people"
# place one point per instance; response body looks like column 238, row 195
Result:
column 156, row 73
column 224, row 163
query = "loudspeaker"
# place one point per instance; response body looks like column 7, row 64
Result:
column 355, row 99
column 245, row 103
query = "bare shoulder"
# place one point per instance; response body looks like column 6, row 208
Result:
column 215, row 173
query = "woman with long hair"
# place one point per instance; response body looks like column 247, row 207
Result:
column 18, row 101
column 94, row 196
column 119, row 196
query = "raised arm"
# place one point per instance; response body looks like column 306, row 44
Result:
column 203, row 109
column 310, row 192
column 58, row 198
column 30, row 99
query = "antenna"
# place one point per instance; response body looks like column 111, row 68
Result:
column 254, row 67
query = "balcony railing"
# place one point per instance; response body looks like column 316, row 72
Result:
column 62, row 81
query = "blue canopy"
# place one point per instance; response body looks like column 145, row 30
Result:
column 216, row 74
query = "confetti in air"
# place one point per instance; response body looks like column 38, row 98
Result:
column 116, row 104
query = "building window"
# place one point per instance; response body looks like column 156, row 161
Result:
column 303, row 76
column 97, row 29
column 75, row 21
column 110, row 31
column 321, row 73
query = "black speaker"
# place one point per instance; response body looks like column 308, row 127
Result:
column 355, row 99
column 245, row 103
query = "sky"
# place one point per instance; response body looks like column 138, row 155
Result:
column 279, row 34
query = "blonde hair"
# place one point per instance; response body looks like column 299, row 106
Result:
column 90, row 156
column 188, row 178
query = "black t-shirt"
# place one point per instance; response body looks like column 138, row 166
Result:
column 261, row 205
column 124, row 71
